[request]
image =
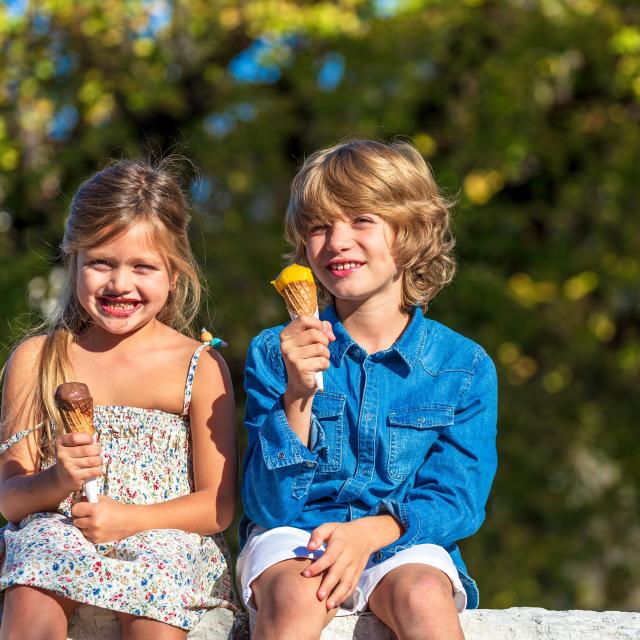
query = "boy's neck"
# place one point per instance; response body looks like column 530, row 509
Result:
column 375, row 327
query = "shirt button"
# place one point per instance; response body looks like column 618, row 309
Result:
column 281, row 455
column 368, row 416
column 420, row 419
column 309, row 464
column 378, row 556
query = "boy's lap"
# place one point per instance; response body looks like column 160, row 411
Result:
column 281, row 549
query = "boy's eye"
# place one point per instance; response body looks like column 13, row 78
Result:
column 363, row 220
column 146, row 267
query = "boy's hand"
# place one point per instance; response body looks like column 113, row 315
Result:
column 348, row 547
column 78, row 460
column 106, row 521
column 303, row 343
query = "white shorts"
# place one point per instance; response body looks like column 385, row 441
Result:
column 264, row 548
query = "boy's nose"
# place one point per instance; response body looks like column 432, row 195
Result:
column 339, row 237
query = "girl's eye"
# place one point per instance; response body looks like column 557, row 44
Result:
column 99, row 262
column 146, row 267
column 363, row 220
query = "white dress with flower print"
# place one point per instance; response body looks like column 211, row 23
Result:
column 165, row 574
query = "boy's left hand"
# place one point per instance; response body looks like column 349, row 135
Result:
column 106, row 521
column 348, row 547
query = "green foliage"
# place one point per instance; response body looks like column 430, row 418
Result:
column 529, row 109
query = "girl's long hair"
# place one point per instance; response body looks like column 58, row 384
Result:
column 126, row 193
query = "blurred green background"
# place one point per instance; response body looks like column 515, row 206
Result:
column 529, row 110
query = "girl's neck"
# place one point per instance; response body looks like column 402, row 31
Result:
column 98, row 340
column 374, row 326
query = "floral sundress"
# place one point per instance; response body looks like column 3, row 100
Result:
column 165, row 574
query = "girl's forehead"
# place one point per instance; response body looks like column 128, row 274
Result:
column 140, row 238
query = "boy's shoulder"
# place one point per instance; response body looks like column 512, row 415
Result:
column 447, row 350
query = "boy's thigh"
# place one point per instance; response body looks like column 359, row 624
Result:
column 272, row 560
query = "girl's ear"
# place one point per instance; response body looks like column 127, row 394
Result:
column 174, row 280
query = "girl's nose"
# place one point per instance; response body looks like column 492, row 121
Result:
column 120, row 280
column 339, row 236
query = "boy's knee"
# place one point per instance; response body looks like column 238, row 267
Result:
column 284, row 593
column 421, row 593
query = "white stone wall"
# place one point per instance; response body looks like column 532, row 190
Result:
column 483, row 624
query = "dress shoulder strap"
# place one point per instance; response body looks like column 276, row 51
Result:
column 190, row 375
column 16, row 437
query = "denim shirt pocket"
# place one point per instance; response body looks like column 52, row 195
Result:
column 412, row 432
column 328, row 410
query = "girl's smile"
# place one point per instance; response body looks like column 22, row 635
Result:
column 119, row 307
column 123, row 284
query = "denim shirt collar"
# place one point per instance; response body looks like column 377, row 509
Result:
column 409, row 346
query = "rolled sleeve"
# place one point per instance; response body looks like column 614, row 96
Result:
column 447, row 502
column 278, row 467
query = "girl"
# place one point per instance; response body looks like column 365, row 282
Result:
column 166, row 458
column 355, row 497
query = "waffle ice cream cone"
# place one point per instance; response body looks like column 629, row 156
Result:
column 298, row 289
column 295, row 284
column 75, row 404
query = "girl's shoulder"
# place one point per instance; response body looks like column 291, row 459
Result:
column 26, row 355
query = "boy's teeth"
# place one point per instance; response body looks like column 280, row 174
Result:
column 346, row 265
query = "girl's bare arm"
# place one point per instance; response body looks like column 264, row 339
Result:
column 24, row 489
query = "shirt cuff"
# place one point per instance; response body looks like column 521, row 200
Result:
column 281, row 446
column 408, row 518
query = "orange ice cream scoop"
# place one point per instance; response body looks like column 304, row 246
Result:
column 296, row 285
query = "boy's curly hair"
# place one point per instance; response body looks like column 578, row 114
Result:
column 392, row 181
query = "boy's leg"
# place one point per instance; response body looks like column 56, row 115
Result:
column 35, row 614
column 137, row 628
column 287, row 605
column 416, row 602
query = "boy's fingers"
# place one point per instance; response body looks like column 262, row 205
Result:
column 331, row 579
column 328, row 330
column 319, row 565
column 320, row 534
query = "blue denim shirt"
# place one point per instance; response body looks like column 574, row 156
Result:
column 409, row 431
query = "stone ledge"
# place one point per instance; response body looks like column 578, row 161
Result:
column 90, row 623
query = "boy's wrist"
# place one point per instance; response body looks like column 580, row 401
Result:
column 380, row 531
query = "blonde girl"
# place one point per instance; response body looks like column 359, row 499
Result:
column 164, row 415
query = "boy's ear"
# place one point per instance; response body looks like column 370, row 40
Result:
column 174, row 280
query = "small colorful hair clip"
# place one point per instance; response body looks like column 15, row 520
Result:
column 206, row 337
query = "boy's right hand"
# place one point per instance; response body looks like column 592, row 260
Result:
column 304, row 345
column 78, row 460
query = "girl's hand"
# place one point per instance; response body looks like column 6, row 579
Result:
column 303, row 343
column 106, row 521
column 78, row 460
column 348, row 547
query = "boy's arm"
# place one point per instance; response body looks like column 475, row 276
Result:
column 451, row 488
column 278, row 466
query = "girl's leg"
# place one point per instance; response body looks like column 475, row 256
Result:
column 137, row 628
column 288, row 608
column 35, row 614
column 416, row 602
